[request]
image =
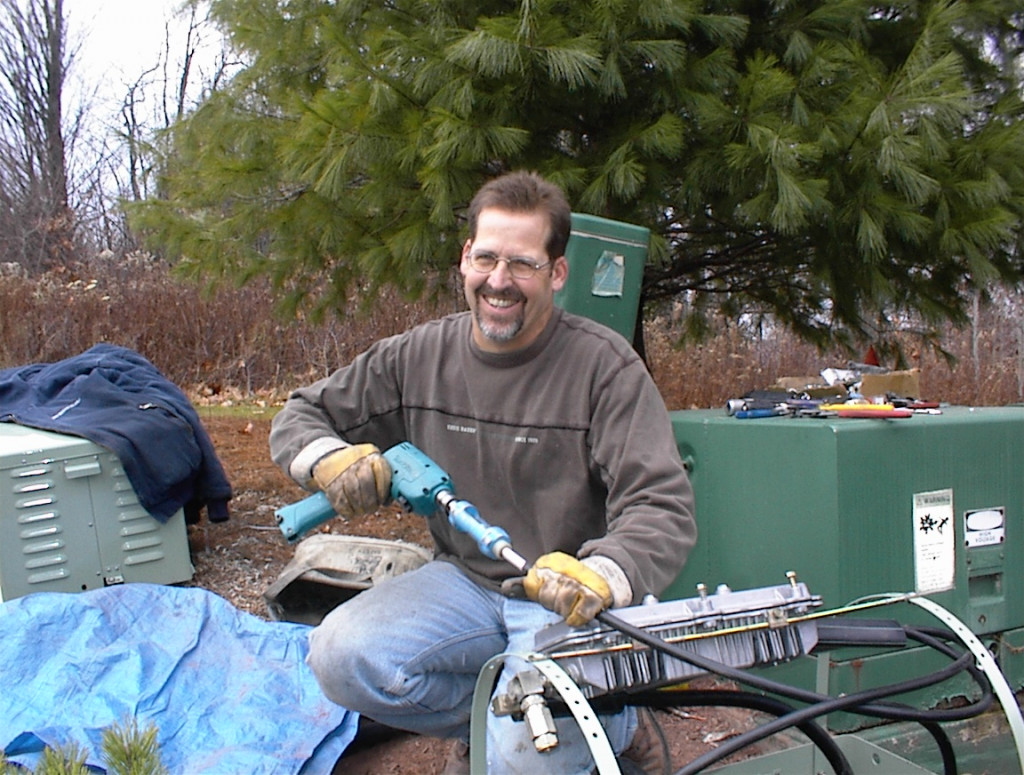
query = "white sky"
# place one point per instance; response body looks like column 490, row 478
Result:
column 118, row 39
column 115, row 43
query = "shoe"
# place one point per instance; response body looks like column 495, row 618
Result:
column 457, row 762
column 648, row 751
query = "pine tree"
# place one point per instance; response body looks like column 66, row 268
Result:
column 832, row 164
column 128, row 749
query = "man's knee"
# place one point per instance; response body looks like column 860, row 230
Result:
column 344, row 660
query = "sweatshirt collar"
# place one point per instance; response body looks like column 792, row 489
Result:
column 517, row 357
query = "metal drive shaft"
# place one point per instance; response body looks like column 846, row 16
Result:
column 493, row 541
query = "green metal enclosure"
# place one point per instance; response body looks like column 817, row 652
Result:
column 860, row 507
column 70, row 520
column 606, row 268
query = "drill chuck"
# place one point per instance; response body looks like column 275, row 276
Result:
column 465, row 518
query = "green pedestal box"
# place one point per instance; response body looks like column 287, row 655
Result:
column 606, row 268
column 860, row 507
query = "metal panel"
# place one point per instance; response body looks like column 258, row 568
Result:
column 134, row 546
column 863, row 757
column 850, row 504
column 47, row 535
column 70, row 520
column 834, row 500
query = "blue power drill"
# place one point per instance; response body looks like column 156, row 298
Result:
column 420, row 486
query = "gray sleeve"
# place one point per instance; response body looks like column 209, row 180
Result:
column 352, row 405
column 650, row 508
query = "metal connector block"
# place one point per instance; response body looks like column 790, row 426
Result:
column 739, row 629
column 524, row 700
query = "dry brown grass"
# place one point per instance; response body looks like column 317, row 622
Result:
column 229, row 340
column 986, row 370
column 231, row 343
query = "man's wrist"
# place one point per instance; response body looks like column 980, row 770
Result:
column 612, row 573
column 301, row 468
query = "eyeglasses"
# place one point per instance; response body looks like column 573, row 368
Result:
column 519, row 267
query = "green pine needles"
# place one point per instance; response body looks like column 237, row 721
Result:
column 843, row 167
column 127, row 750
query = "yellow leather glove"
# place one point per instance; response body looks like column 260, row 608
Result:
column 563, row 584
column 356, row 479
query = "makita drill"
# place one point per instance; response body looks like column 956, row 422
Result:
column 420, row 486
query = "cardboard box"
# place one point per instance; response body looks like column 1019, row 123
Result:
column 903, row 384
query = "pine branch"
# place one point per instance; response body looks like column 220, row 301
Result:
column 128, row 750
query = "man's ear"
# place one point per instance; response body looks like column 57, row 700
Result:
column 464, row 259
column 559, row 273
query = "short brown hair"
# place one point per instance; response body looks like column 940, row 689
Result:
column 526, row 192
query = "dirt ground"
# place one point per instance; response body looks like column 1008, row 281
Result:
column 240, row 558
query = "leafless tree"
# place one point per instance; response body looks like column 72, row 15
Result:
column 36, row 217
column 134, row 132
column 186, row 67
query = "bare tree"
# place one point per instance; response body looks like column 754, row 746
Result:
column 134, row 131
column 37, row 221
column 186, row 69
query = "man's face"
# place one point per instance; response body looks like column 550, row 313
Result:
column 510, row 312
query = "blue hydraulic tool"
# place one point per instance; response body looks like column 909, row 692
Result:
column 420, row 486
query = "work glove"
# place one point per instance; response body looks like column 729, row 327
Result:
column 356, row 479
column 563, row 584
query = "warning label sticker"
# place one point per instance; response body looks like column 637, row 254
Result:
column 934, row 542
column 984, row 527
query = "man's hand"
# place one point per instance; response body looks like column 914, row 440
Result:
column 565, row 585
column 356, row 479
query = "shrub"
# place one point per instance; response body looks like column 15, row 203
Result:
column 127, row 750
column 229, row 342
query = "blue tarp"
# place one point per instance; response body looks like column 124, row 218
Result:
column 228, row 692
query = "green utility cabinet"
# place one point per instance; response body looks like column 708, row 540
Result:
column 70, row 520
column 606, row 270
column 860, row 507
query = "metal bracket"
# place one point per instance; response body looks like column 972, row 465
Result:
column 583, row 713
column 987, row 664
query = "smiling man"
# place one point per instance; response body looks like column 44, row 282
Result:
column 510, row 280
column 547, row 422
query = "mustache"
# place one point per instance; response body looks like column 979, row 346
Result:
column 511, row 294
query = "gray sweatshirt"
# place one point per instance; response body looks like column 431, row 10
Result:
column 565, row 444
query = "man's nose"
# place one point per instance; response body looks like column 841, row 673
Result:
column 501, row 276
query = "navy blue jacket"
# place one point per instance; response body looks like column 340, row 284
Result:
column 119, row 400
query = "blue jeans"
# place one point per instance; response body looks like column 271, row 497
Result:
column 407, row 652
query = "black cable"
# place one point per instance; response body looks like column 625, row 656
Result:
column 822, row 705
column 933, row 638
column 744, row 739
column 856, row 702
column 751, row 701
column 665, row 698
column 674, row 697
column 945, row 747
column 901, row 713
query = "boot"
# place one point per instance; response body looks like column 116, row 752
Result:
column 648, row 750
column 457, row 762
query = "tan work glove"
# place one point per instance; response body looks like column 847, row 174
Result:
column 563, row 584
column 356, row 479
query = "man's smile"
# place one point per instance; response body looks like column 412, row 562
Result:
column 500, row 300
